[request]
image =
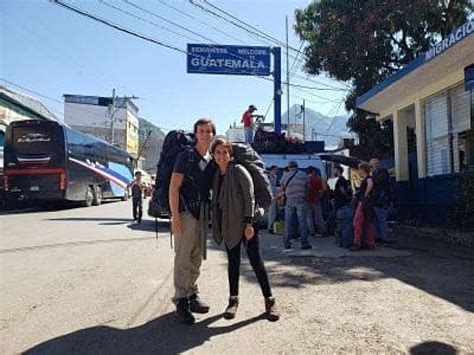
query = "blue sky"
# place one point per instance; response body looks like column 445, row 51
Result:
column 52, row 51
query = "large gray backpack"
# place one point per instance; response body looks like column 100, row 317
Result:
column 249, row 158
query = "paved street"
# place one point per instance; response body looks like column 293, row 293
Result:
column 83, row 280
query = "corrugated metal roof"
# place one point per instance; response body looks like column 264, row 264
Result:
column 30, row 103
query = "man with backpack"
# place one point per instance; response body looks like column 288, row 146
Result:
column 189, row 207
column 294, row 187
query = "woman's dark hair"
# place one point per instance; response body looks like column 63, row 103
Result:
column 203, row 121
column 221, row 141
column 314, row 170
column 339, row 168
column 365, row 167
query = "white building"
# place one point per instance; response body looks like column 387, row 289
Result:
column 94, row 115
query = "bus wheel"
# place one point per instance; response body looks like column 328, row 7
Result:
column 88, row 198
column 97, row 196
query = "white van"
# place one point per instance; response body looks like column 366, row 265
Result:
column 304, row 161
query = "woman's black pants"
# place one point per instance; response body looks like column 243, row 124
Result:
column 256, row 262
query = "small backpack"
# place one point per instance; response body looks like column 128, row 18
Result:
column 175, row 142
column 249, row 158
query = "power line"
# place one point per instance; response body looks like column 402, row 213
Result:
column 166, row 20
column 184, row 13
column 117, row 27
column 266, row 36
column 190, row 31
column 152, row 40
column 258, row 31
column 144, row 20
column 229, row 21
column 46, row 97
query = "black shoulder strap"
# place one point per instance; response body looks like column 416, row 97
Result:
column 288, row 182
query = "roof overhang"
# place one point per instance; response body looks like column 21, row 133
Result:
column 425, row 71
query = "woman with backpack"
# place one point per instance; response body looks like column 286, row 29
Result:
column 234, row 222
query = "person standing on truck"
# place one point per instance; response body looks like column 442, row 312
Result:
column 247, row 120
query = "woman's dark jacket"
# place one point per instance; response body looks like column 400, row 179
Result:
column 232, row 204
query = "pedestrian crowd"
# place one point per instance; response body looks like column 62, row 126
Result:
column 307, row 206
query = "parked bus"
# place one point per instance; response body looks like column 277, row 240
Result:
column 44, row 160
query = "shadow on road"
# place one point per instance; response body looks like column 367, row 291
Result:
column 443, row 276
column 148, row 225
column 433, row 347
column 35, row 207
column 163, row 335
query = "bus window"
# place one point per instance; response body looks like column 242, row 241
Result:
column 35, row 140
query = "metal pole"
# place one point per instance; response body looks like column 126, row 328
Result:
column 287, row 79
column 112, row 119
column 277, row 89
column 304, row 123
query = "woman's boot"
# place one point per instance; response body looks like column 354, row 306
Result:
column 231, row 309
column 271, row 311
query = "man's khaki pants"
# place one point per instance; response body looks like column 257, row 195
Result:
column 187, row 257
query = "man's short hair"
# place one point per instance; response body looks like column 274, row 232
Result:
column 252, row 108
column 339, row 168
column 203, row 121
column 292, row 164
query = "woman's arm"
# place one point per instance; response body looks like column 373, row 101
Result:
column 370, row 186
column 247, row 188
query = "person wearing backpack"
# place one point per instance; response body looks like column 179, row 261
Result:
column 233, row 221
column 294, row 186
column 189, row 207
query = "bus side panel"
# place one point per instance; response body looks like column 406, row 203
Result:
column 115, row 186
column 79, row 179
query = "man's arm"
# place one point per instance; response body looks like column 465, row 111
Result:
column 173, row 193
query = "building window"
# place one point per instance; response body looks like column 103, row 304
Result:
column 447, row 117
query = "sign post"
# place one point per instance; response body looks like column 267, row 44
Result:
column 238, row 60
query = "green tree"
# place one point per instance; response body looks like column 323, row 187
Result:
column 365, row 41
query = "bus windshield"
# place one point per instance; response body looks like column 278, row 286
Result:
column 35, row 139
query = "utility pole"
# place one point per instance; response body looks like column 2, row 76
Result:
column 112, row 119
column 287, row 79
column 277, row 88
column 142, row 148
column 114, row 110
column 304, row 121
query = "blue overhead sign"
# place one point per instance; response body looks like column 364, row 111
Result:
column 233, row 60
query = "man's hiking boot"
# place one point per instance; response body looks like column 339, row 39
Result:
column 271, row 311
column 183, row 313
column 196, row 305
column 231, row 309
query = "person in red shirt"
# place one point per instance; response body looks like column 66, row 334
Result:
column 313, row 199
column 247, row 120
